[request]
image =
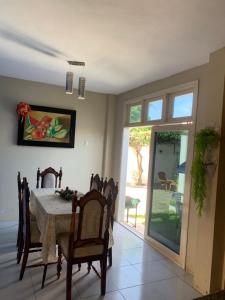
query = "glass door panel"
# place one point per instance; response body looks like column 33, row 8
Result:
column 167, row 187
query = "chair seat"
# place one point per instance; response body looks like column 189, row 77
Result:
column 34, row 232
column 88, row 250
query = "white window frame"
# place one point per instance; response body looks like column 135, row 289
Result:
column 167, row 95
column 167, row 120
column 177, row 258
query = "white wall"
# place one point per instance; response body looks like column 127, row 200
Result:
column 166, row 161
column 78, row 163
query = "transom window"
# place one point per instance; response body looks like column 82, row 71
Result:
column 155, row 109
column 174, row 105
column 135, row 113
column 182, row 105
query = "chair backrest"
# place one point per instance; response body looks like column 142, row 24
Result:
column 49, row 178
column 96, row 183
column 26, row 210
column 162, row 176
column 93, row 222
column 19, row 185
column 110, row 190
column 20, row 202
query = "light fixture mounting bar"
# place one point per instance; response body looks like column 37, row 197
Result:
column 76, row 63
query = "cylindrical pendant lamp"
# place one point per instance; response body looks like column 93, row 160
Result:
column 81, row 88
column 69, row 83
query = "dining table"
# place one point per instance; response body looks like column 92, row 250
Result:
column 53, row 216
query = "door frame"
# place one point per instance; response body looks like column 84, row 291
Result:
column 177, row 258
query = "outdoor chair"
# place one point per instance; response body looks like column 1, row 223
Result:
column 132, row 203
column 165, row 183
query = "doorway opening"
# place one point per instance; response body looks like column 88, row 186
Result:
column 156, row 155
column 137, row 166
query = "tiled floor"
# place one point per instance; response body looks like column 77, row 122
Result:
column 138, row 273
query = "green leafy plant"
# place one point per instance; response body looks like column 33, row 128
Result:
column 206, row 140
column 66, row 194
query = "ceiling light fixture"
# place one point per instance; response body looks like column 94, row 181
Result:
column 69, row 80
column 81, row 88
column 69, row 83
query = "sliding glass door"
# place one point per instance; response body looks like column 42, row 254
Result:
column 169, row 188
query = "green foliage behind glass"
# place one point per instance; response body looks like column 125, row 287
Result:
column 135, row 113
column 139, row 136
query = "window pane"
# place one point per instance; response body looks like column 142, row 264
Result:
column 135, row 113
column 155, row 110
column 182, row 105
column 167, row 189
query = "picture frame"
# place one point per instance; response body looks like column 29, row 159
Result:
column 47, row 127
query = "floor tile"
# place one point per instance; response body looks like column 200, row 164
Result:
column 119, row 258
column 170, row 289
column 10, row 286
column 188, row 278
column 138, row 272
column 153, row 271
column 108, row 296
column 124, row 277
column 89, row 284
column 54, row 288
column 143, row 254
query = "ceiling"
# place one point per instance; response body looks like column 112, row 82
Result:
column 125, row 43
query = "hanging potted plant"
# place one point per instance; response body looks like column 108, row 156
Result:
column 206, row 140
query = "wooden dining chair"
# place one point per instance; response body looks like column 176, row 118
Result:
column 31, row 234
column 20, row 220
column 49, row 178
column 110, row 190
column 88, row 238
column 96, row 183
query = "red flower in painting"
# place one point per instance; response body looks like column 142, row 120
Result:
column 22, row 110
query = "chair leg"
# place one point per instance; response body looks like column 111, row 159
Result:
column 135, row 220
column 89, row 266
column 44, row 276
column 59, row 264
column 24, row 263
column 103, row 275
column 68, row 281
column 110, row 256
column 18, row 237
column 20, row 249
column 79, row 266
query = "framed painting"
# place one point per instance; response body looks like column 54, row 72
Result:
column 47, row 127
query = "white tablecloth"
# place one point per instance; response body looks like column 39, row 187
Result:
column 53, row 216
